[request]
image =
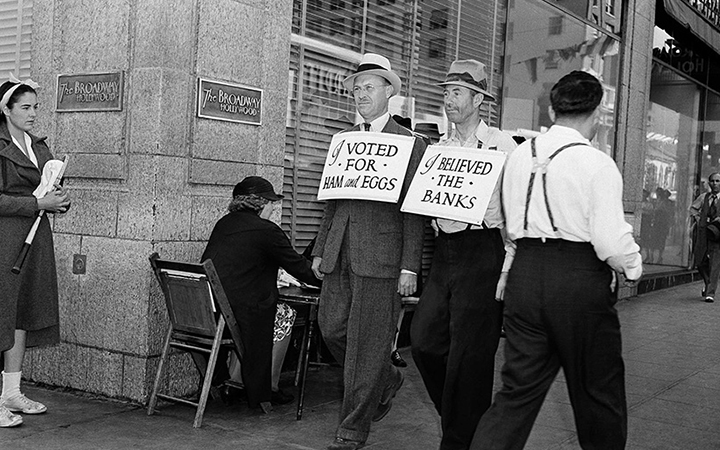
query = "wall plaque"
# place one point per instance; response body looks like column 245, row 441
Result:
column 89, row 92
column 229, row 102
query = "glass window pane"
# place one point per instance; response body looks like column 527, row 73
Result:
column 543, row 47
column 670, row 167
column 603, row 13
column 711, row 141
column 687, row 57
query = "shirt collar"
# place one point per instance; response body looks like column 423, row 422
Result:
column 569, row 132
column 481, row 133
column 379, row 123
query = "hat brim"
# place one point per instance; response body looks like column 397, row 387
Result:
column 273, row 197
column 487, row 95
column 390, row 76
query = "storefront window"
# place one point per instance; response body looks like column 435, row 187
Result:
column 669, row 185
column 545, row 44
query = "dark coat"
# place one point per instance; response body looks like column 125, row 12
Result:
column 381, row 239
column 29, row 300
column 247, row 251
column 700, row 245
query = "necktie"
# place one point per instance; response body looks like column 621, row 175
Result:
column 366, row 126
column 712, row 210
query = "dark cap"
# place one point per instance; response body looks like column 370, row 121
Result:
column 258, row 186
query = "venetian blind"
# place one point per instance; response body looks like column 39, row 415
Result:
column 15, row 37
column 420, row 38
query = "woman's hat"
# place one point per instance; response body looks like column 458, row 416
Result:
column 374, row 64
column 470, row 74
column 258, row 186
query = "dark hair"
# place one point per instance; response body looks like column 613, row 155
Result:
column 22, row 89
column 576, row 94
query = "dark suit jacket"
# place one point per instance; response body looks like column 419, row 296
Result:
column 700, row 246
column 381, row 239
column 247, row 251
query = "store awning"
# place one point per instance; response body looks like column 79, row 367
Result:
column 692, row 19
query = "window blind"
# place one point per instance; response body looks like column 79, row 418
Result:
column 15, row 38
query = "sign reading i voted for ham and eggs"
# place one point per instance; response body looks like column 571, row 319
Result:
column 364, row 165
column 454, row 183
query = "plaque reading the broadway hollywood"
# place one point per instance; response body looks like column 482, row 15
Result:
column 229, row 102
column 365, row 166
column 454, row 183
column 89, row 92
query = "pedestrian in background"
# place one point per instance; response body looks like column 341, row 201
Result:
column 706, row 250
column 563, row 205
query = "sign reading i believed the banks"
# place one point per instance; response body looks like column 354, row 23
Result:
column 365, row 166
column 89, row 92
column 229, row 102
column 454, row 183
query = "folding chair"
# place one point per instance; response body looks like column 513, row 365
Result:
column 199, row 314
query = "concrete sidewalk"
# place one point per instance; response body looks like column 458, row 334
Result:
column 671, row 344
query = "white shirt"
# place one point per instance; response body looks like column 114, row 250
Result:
column 584, row 188
column 378, row 124
column 489, row 138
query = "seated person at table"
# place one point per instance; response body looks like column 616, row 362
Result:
column 247, row 249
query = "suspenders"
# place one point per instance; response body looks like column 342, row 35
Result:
column 542, row 168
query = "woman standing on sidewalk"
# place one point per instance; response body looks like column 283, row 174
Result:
column 29, row 300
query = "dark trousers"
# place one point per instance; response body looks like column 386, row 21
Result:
column 456, row 329
column 357, row 317
column 256, row 331
column 710, row 268
column 559, row 312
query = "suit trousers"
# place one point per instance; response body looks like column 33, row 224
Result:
column 710, row 268
column 357, row 316
column 559, row 312
column 456, row 329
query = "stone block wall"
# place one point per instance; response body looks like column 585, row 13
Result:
column 152, row 177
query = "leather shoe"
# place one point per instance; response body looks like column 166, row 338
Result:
column 397, row 360
column 345, row 444
column 709, row 299
column 281, row 398
column 387, row 397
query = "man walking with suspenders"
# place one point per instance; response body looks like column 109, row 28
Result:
column 563, row 206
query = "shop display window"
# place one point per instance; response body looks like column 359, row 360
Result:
column 545, row 44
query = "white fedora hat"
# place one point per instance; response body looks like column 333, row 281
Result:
column 374, row 64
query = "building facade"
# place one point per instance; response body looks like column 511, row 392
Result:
column 156, row 174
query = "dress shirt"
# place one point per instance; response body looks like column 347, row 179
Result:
column 584, row 188
column 378, row 124
column 485, row 138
